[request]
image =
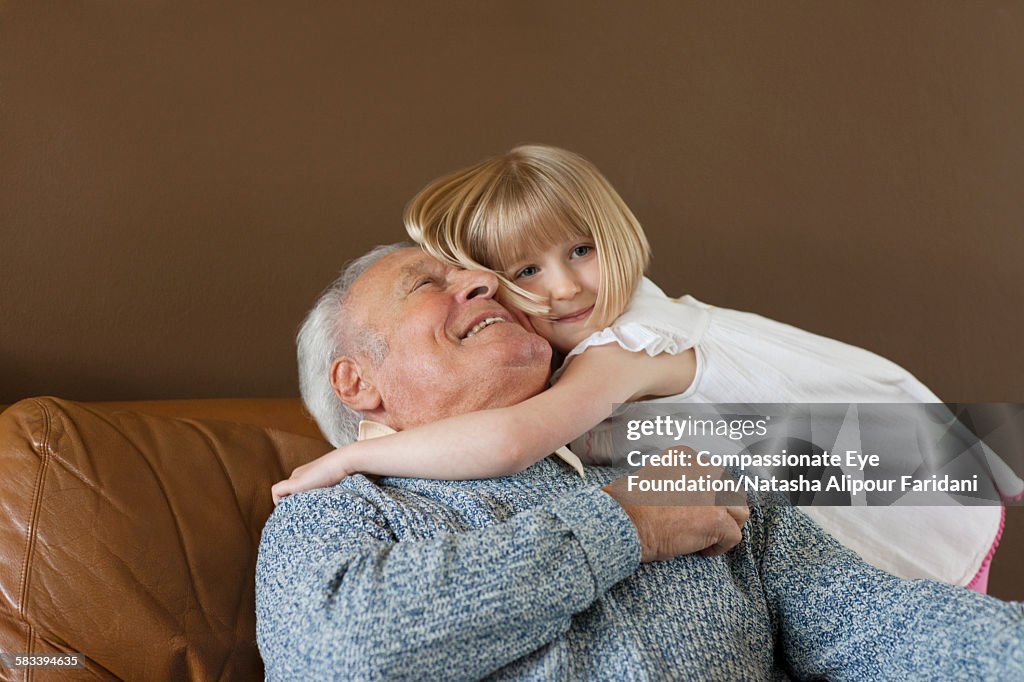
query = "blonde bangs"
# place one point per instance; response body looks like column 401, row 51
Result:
column 514, row 215
column 495, row 214
column 518, row 221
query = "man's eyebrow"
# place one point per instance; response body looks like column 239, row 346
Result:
column 411, row 272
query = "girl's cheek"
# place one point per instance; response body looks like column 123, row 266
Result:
column 523, row 319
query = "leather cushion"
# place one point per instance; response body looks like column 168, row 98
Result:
column 132, row 538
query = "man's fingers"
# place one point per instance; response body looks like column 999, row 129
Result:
column 726, row 526
column 716, row 550
column 739, row 514
column 713, row 550
column 730, row 531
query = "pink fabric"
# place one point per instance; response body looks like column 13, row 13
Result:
column 979, row 583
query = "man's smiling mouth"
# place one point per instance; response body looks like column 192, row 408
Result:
column 482, row 324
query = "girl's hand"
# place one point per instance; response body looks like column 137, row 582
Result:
column 322, row 472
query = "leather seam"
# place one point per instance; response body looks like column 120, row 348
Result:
column 30, row 672
column 37, row 501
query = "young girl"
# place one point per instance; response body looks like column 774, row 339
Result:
column 571, row 255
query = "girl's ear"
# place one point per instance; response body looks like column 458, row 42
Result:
column 350, row 386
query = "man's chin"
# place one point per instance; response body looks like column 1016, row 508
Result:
column 521, row 372
column 526, row 381
column 533, row 352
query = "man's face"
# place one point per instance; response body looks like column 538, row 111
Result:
column 452, row 348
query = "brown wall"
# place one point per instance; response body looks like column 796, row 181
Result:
column 178, row 180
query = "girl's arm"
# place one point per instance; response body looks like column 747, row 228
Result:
column 506, row 440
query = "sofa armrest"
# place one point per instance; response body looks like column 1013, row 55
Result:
column 131, row 537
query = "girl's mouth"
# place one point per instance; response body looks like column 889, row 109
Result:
column 577, row 316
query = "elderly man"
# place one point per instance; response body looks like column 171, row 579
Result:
column 544, row 575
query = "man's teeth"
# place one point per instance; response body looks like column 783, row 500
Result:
column 480, row 325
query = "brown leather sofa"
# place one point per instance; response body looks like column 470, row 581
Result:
column 129, row 532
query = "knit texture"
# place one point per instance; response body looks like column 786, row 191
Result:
column 537, row 576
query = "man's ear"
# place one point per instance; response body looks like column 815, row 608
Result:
column 350, row 386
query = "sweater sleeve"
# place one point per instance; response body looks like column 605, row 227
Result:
column 839, row 618
column 338, row 596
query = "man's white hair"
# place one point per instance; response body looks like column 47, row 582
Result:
column 326, row 335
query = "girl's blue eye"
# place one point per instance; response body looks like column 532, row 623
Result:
column 582, row 250
column 528, row 271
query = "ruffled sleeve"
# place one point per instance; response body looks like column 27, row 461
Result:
column 653, row 323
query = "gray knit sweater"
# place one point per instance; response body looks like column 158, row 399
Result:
column 537, row 576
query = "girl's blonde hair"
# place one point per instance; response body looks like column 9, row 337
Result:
column 492, row 214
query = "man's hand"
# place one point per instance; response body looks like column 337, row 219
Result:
column 672, row 524
column 668, row 532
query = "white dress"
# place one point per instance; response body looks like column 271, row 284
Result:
column 746, row 358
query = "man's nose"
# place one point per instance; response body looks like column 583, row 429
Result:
column 472, row 284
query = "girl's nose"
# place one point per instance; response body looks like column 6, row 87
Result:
column 564, row 286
